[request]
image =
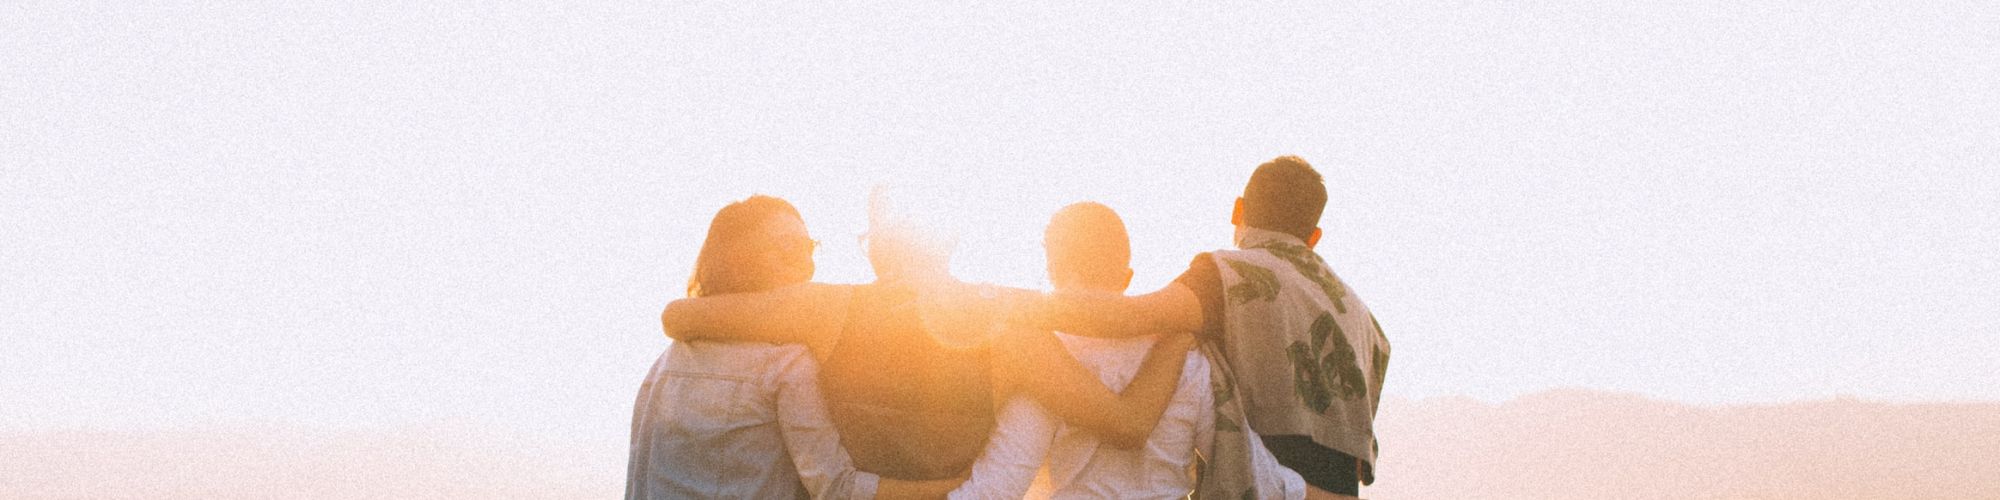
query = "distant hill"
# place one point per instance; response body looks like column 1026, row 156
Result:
column 1565, row 444
column 257, row 461
column 1585, row 444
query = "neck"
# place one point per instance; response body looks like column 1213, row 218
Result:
column 1247, row 237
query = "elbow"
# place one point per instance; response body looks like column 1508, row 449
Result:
column 1129, row 436
column 1171, row 324
column 668, row 322
column 1123, row 441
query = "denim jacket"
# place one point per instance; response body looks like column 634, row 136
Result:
column 737, row 420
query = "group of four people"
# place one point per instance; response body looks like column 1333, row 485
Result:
column 1255, row 374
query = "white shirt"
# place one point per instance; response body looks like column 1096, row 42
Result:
column 1078, row 465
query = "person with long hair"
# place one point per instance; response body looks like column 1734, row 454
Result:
column 718, row 419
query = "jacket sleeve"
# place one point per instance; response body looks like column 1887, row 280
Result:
column 824, row 467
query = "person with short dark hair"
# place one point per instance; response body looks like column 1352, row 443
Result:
column 1301, row 356
column 1285, row 195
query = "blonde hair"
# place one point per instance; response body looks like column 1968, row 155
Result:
column 720, row 267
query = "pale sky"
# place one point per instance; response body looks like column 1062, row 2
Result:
column 370, row 214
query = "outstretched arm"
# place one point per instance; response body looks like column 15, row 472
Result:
column 1172, row 309
column 806, row 313
column 1036, row 364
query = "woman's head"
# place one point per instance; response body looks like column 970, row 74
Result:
column 756, row 244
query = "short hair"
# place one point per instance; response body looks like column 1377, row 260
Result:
column 721, row 266
column 1088, row 239
column 1285, row 195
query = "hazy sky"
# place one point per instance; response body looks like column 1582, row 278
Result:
column 363, row 215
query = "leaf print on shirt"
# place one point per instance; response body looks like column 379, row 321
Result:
column 1381, row 355
column 1226, row 425
column 1340, row 364
column 1306, row 378
column 1319, row 379
column 1258, row 283
column 1224, row 390
column 1309, row 266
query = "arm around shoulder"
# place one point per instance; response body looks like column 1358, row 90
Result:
column 797, row 314
column 1172, row 309
column 1038, row 366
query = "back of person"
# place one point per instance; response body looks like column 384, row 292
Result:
column 704, row 425
column 736, row 420
column 1307, row 355
column 1082, row 467
column 907, row 406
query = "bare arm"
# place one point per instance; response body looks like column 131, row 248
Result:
column 808, row 313
column 1037, row 365
column 916, row 490
column 1173, row 309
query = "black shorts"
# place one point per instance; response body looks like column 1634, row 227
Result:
column 1321, row 467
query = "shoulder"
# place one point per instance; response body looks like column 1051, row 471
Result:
column 1201, row 272
column 1247, row 256
column 738, row 360
column 1204, row 259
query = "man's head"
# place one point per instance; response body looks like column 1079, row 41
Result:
column 1088, row 249
column 1284, row 195
column 756, row 244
